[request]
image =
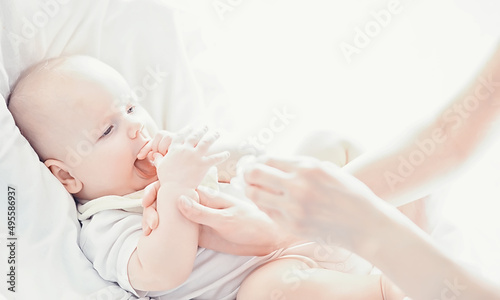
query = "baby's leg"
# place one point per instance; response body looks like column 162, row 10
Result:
column 288, row 279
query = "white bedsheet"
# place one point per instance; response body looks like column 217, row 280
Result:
column 151, row 45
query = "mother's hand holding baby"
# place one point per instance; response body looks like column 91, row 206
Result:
column 227, row 224
column 319, row 201
column 233, row 226
column 314, row 199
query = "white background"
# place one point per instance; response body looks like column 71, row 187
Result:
column 280, row 54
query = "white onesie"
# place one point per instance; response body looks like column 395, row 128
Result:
column 112, row 226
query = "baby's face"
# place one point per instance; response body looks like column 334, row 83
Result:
column 108, row 139
column 103, row 131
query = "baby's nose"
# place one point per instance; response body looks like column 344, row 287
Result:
column 135, row 129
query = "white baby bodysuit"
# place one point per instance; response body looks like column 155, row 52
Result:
column 112, row 226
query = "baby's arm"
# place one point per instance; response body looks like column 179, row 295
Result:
column 164, row 259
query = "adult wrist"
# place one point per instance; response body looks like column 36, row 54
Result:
column 377, row 231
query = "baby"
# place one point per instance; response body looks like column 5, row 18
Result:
column 82, row 119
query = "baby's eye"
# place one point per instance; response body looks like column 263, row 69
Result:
column 131, row 109
column 107, row 131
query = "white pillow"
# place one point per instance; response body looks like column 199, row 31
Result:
column 145, row 41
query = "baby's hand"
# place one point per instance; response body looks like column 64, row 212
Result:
column 185, row 161
column 159, row 144
column 185, row 152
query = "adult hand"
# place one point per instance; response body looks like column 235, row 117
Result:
column 313, row 199
column 232, row 225
column 149, row 213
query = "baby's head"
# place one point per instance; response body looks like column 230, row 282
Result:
column 81, row 118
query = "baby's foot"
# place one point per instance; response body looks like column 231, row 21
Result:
column 390, row 291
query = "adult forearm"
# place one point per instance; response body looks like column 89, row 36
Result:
column 407, row 256
column 418, row 162
column 400, row 173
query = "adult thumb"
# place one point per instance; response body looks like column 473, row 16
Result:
column 196, row 212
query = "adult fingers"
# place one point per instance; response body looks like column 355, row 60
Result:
column 287, row 164
column 283, row 164
column 146, row 230
column 280, row 208
column 198, row 213
column 214, row 199
column 150, row 193
column 266, row 177
column 263, row 198
column 150, row 218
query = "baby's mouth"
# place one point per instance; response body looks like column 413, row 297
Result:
column 145, row 167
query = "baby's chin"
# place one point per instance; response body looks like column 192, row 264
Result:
column 142, row 185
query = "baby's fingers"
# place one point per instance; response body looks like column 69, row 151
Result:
column 143, row 153
column 181, row 135
column 161, row 142
column 164, row 144
column 217, row 158
column 207, row 141
column 157, row 158
column 194, row 138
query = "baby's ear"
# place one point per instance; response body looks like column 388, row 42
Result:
column 61, row 172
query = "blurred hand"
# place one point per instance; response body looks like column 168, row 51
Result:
column 312, row 198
